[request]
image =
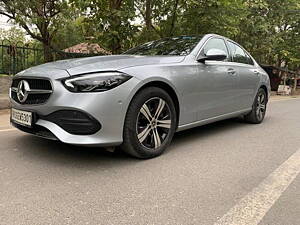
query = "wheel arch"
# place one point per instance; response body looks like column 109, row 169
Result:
column 166, row 87
column 264, row 87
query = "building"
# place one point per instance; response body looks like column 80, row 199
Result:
column 282, row 76
column 88, row 49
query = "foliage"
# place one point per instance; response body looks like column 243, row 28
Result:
column 268, row 29
column 71, row 33
column 13, row 36
column 41, row 19
column 17, row 52
column 109, row 21
column 271, row 31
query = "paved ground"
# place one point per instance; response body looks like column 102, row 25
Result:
column 225, row 173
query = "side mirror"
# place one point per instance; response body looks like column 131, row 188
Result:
column 213, row 55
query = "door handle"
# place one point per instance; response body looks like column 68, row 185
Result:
column 256, row 72
column 231, row 71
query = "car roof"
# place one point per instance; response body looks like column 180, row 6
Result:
column 226, row 38
column 205, row 36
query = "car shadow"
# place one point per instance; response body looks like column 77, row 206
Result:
column 204, row 131
column 64, row 155
column 67, row 155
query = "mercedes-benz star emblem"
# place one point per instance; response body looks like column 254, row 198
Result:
column 23, row 89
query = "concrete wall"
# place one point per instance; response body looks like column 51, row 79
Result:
column 5, row 82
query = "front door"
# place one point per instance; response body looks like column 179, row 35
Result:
column 217, row 83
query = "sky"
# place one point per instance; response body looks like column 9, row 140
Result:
column 3, row 23
column 6, row 25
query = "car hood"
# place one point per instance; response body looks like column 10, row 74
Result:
column 100, row 63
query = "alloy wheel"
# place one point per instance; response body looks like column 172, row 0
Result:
column 153, row 123
column 261, row 106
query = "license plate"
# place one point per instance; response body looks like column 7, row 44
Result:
column 21, row 117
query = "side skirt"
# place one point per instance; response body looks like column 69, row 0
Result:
column 213, row 119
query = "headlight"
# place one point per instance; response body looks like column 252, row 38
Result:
column 96, row 82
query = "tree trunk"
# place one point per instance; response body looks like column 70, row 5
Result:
column 115, row 5
column 174, row 18
column 295, row 84
column 48, row 57
column 148, row 15
column 43, row 27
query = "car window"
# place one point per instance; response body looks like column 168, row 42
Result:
column 238, row 54
column 215, row 43
column 182, row 45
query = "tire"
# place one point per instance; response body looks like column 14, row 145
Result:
column 150, row 123
column 259, row 107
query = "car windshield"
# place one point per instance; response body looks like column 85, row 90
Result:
column 168, row 46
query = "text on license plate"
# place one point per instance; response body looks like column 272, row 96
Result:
column 21, row 117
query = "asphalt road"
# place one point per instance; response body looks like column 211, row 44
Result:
column 216, row 174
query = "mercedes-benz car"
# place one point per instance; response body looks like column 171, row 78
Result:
column 139, row 99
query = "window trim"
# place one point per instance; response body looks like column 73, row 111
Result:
column 249, row 56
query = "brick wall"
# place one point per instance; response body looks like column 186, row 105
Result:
column 5, row 82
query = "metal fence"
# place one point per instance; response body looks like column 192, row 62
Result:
column 17, row 57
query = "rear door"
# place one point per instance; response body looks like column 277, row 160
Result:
column 248, row 76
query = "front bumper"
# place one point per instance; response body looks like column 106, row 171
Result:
column 108, row 108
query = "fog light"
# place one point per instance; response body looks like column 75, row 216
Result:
column 74, row 122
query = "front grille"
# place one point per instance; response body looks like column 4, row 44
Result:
column 32, row 98
column 40, row 90
column 34, row 83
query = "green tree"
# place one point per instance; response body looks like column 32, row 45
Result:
column 14, row 35
column 110, row 22
column 271, row 31
column 71, row 33
column 159, row 17
column 41, row 19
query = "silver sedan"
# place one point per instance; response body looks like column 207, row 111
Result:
column 139, row 99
